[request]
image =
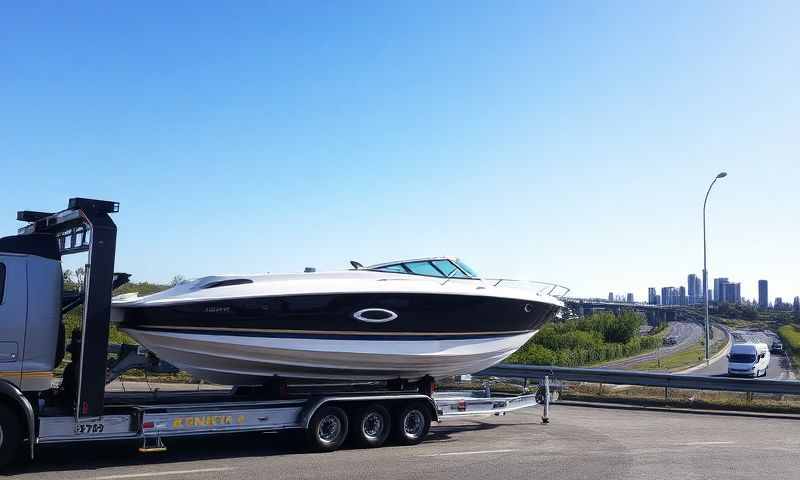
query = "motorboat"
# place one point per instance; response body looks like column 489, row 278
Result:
column 397, row 320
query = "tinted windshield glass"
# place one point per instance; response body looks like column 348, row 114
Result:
column 449, row 269
column 464, row 267
column 743, row 358
column 423, row 268
column 393, row 268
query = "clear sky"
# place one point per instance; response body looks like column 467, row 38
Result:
column 562, row 141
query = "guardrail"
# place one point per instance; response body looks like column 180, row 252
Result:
column 646, row 379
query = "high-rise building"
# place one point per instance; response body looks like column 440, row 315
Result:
column 610, row 296
column 630, row 298
column 670, row 296
column 763, row 294
column 778, row 303
column 719, row 289
column 682, row 299
column 694, row 289
column 732, row 293
column 658, row 300
column 796, row 305
column 698, row 294
column 651, row 296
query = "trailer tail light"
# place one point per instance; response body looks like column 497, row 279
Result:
column 148, row 425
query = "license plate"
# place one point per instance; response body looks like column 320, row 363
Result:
column 89, row 428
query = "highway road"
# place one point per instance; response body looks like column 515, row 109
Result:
column 580, row 443
column 686, row 334
column 780, row 367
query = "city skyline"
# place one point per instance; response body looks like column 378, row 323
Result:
column 721, row 290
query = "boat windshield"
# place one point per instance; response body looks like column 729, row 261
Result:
column 435, row 267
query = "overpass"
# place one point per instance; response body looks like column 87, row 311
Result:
column 655, row 313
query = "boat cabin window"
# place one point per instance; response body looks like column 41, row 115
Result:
column 448, row 269
column 394, row 268
column 439, row 267
column 424, row 268
column 463, row 266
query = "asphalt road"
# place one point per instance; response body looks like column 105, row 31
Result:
column 686, row 334
column 780, row 367
column 579, row 443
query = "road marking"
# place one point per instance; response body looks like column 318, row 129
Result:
column 478, row 452
column 698, row 444
column 168, row 472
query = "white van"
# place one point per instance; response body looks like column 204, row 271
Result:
column 751, row 359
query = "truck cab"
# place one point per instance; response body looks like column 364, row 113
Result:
column 748, row 359
column 30, row 311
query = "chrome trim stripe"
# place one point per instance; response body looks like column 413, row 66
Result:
column 322, row 332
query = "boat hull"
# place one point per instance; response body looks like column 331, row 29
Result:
column 344, row 336
column 249, row 360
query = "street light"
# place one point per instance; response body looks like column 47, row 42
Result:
column 705, row 266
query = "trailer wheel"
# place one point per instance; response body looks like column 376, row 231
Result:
column 412, row 423
column 371, row 426
column 327, row 429
column 10, row 435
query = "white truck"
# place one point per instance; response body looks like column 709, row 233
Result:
column 748, row 359
column 32, row 338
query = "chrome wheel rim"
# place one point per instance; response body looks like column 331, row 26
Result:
column 413, row 423
column 373, row 425
column 329, row 429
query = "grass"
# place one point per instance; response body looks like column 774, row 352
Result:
column 790, row 334
column 676, row 361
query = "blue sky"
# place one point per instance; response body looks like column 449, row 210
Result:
column 562, row 141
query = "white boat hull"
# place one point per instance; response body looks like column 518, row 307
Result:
column 249, row 360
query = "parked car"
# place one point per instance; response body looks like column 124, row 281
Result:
column 777, row 347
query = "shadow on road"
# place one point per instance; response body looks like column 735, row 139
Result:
column 99, row 455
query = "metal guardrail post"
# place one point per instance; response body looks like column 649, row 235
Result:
column 546, row 411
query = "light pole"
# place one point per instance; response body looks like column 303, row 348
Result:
column 705, row 265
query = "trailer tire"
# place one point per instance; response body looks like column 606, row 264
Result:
column 412, row 423
column 10, row 435
column 371, row 425
column 327, row 429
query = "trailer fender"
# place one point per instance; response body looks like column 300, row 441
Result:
column 15, row 397
column 314, row 405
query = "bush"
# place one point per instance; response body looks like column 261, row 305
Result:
column 598, row 338
column 73, row 319
column 790, row 334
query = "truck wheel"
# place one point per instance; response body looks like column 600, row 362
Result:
column 327, row 429
column 412, row 423
column 10, row 435
column 371, row 426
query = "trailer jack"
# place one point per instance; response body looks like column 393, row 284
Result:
column 152, row 445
